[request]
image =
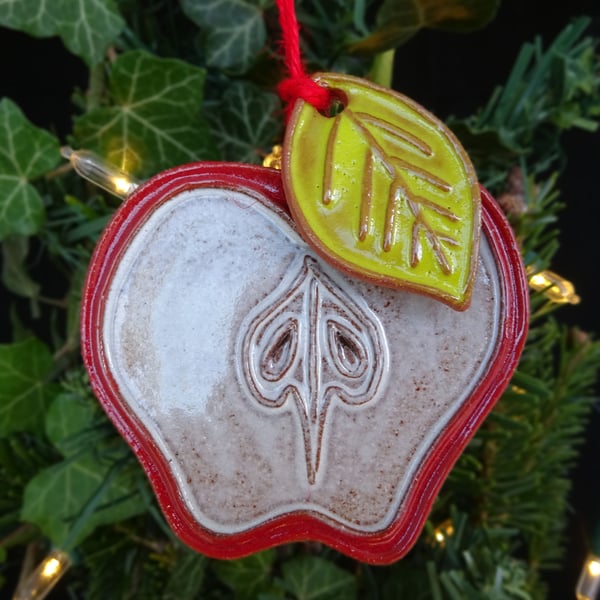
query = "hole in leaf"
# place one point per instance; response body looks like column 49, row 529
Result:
column 337, row 103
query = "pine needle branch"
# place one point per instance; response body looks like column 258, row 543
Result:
column 547, row 92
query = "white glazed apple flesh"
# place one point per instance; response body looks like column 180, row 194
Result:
column 176, row 315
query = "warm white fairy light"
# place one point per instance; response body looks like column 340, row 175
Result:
column 555, row 288
column 100, row 172
column 588, row 586
column 50, row 568
column 122, row 185
column 593, row 567
column 443, row 531
column 46, row 575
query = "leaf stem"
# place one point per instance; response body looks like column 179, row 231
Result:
column 157, row 546
column 95, row 87
column 56, row 302
column 382, row 70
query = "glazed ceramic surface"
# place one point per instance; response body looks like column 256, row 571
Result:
column 384, row 191
column 269, row 396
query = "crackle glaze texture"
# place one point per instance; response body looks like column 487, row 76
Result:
column 273, row 383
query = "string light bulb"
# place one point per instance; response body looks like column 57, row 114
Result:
column 44, row 577
column 273, row 160
column 588, row 585
column 100, row 172
column 442, row 532
column 554, row 287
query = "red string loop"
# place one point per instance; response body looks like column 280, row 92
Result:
column 293, row 88
column 298, row 85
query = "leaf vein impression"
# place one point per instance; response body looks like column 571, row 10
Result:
column 394, row 166
column 393, row 132
column 433, row 238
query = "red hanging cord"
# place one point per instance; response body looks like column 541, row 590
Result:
column 298, row 85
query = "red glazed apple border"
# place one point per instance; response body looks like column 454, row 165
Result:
column 379, row 547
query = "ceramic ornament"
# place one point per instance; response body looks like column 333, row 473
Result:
column 272, row 397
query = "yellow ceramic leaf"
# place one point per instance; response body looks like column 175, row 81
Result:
column 384, row 190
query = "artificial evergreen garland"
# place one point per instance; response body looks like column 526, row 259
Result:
column 69, row 481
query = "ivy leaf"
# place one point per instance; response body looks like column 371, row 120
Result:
column 25, row 391
column 67, row 419
column 248, row 576
column 244, row 122
column 385, row 191
column 234, row 31
column 399, row 20
column 14, row 271
column 26, row 152
column 74, row 298
column 315, row 578
column 155, row 122
column 86, row 27
column 68, row 500
column 187, row 576
column 94, row 485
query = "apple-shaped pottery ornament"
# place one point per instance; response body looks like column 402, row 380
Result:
column 272, row 398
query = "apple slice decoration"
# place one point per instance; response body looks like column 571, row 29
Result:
column 272, row 398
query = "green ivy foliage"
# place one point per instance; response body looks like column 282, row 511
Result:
column 86, row 28
column 26, row 152
column 154, row 115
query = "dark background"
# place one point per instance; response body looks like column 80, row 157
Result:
column 448, row 74
column 454, row 75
